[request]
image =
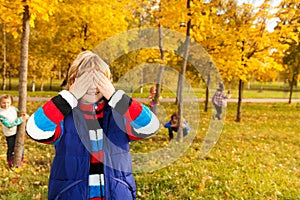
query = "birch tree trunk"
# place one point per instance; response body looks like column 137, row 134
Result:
column 181, row 80
column 19, row 146
column 4, row 59
column 160, row 71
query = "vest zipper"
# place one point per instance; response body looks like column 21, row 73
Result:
column 97, row 139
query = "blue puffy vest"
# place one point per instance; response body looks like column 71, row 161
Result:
column 70, row 168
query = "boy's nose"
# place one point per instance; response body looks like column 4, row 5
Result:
column 93, row 85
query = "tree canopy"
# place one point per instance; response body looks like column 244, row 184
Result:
column 235, row 34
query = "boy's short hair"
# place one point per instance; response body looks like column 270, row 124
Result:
column 86, row 60
column 6, row 96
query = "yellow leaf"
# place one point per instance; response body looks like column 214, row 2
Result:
column 32, row 23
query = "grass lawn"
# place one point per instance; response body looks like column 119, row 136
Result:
column 257, row 158
column 270, row 90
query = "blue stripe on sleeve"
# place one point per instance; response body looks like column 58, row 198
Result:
column 61, row 133
column 42, row 121
column 143, row 119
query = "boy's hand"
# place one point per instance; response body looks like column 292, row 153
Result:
column 24, row 116
column 103, row 84
column 81, row 85
column 174, row 124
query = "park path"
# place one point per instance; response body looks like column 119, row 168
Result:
column 246, row 100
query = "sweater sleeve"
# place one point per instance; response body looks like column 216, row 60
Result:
column 168, row 124
column 8, row 124
column 46, row 124
column 140, row 122
column 187, row 126
column 224, row 96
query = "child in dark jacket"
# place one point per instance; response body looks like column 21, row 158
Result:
column 173, row 126
column 91, row 125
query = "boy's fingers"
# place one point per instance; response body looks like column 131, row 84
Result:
column 84, row 76
column 85, row 79
column 81, row 84
column 96, row 77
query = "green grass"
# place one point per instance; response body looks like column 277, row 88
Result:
column 56, row 84
column 257, row 158
column 271, row 90
column 200, row 93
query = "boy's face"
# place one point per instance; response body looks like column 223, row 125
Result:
column 92, row 95
column 5, row 103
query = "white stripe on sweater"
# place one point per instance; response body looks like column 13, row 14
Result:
column 69, row 97
column 116, row 98
column 151, row 127
column 35, row 132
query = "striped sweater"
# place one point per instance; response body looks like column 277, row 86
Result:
column 93, row 114
column 46, row 126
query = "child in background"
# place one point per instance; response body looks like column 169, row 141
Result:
column 172, row 125
column 9, row 119
column 219, row 100
column 91, row 124
column 152, row 97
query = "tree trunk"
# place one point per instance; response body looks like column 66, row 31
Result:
column 42, row 86
column 160, row 71
column 33, row 84
column 65, row 81
column 9, row 80
column 182, row 74
column 59, row 72
column 239, row 107
column 50, row 87
column 19, row 146
column 177, row 89
column 207, row 94
column 291, row 88
column 4, row 59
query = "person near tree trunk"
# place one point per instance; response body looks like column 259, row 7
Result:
column 10, row 120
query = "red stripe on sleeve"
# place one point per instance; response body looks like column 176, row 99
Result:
column 132, row 138
column 57, row 133
column 97, row 198
column 133, row 111
column 55, row 137
column 52, row 112
column 129, row 132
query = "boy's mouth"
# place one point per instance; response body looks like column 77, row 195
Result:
column 92, row 92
